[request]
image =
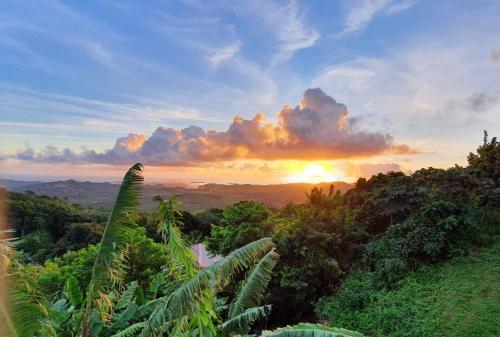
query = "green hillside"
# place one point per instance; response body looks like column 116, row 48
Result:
column 459, row 298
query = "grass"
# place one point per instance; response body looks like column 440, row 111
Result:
column 459, row 298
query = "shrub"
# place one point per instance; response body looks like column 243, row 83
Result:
column 440, row 229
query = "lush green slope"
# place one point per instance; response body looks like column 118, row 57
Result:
column 459, row 298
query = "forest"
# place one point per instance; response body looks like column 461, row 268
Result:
column 397, row 255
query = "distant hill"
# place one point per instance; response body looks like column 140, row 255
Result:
column 193, row 199
column 16, row 184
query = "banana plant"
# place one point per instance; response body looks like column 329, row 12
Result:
column 108, row 266
column 191, row 309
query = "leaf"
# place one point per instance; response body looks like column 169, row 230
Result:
column 182, row 262
column 73, row 292
column 140, row 299
column 241, row 323
column 130, row 331
column 125, row 316
column 190, row 295
column 127, row 295
column 114, row 238
column 255, row 285
column 149, row 307
column 157, row 281
column 310, row 330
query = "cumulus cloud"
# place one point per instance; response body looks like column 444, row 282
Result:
column 317, row 128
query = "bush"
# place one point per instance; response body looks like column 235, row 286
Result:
column 145, row 259
column 440, row 229
column 36, row 246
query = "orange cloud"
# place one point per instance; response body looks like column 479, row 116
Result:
column 317, row 129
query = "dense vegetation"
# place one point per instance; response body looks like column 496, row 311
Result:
column 390, row 224
column 356, row 259
column 454, row 298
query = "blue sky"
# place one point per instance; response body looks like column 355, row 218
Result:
column 82, row 74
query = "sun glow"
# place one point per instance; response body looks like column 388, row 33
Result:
column 312, row 173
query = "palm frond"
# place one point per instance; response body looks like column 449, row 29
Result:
column 149, row 307
column 29, row 308
column 255, row 285
column 241, row 323
column 155, row 284
column 7, row 244
column 6, row 249
column 238, row 260
column 130, row 331
column 182, row 263
column 188, row 298
column 310, row 330
column 115, row 237
column 127, row 295
column 119, row 224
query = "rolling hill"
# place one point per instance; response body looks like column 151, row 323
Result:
column 193, row 199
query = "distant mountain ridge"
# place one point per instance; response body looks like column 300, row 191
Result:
column 102, row 194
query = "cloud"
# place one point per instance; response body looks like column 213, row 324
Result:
column 356, row 77
column 366, row 170
column 401, row 6
column 495, row 56
column 410, row 88
column 476, row 103
column 317, row 128
column 361, row 12
column 249, row 166
column 89, row 112
column 223, row 54
column 65, row 26
column 479, row 102
column 283, row 23
column 287, row 25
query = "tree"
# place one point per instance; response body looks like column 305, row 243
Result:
column 487, row 159
column 241, row 223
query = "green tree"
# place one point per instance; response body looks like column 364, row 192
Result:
column 487, row 159
column 241, row 223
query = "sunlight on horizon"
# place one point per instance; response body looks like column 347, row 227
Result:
column 312, row 173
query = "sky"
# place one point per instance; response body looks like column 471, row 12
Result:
column 244, row 91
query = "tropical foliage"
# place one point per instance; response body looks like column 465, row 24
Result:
column 180, row 301
column 351, row 259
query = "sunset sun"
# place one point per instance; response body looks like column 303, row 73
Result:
column 312, row 173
